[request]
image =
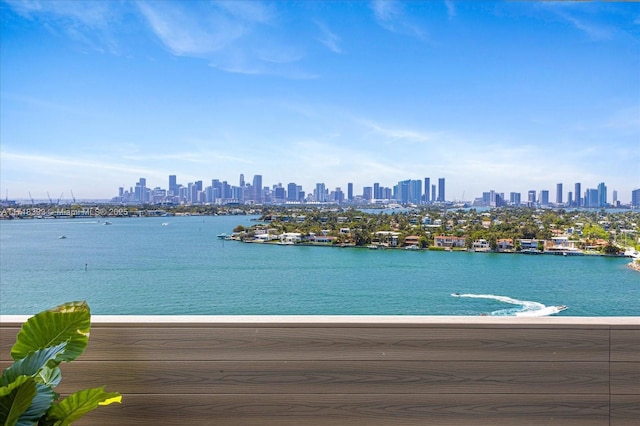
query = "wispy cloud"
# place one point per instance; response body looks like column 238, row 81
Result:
column 237, row 37
column 581, row 18
column 328, row 38
column 89, row 22
column 391, row 15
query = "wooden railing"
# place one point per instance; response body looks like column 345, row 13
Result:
column 358, row 370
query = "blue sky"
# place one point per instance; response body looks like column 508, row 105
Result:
column 505, row 96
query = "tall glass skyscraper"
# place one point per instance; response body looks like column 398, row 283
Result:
column 441, row 196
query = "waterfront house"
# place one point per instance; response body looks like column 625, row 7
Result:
column 412, row 240
column 480, row 245
column 323, row 239
column 449, row 241
column 389, row 238
column 291, row 237
column 505, row 244
column 529, row 243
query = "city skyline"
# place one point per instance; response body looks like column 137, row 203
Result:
column 503, row 96
column 408, row 191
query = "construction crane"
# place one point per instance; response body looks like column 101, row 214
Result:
column 73, row 196
column 32, row 203
column 60, row 198
column 49, row 197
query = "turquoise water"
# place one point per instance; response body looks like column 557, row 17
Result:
column 138, row 266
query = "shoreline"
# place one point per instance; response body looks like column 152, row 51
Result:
column 634, row 265
column 435, row 249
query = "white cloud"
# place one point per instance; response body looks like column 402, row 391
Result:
column 236, row 37
column 328, row 38
column 390, row 15
column 88, row 22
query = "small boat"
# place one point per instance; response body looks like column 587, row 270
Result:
column 165, row 223
column 222, row 236
column 372, row 247
column 412, row 247
column 61, row 237
column 107, row 223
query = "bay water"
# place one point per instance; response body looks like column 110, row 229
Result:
column 178, row 266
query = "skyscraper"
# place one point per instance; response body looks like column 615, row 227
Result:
column 602, row 195
column 531, row 197
column 257, row 188
column 635, row 198
column 350, row 191
column 415, row 192
column 173, row 183
column 320, row 193
column 427, row 188
column 577, row 195
column 591, row 198
column 559, row 193
column 376, row 191
column 292, row 192
column 544, row 197
column 441, row 196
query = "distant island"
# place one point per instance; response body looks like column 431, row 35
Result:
column 502, row 230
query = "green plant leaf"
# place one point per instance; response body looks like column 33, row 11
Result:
column 70, row 322
column 23, row 402
column 42, row 363
column 15, row 399
column 78, row 404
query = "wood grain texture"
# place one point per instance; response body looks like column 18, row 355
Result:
column 625, row 345
column 329, row 377
column 625, row 410
column 625, row 378
column 354, row 409
column 253, row 343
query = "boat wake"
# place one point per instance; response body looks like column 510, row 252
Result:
column 525, row 308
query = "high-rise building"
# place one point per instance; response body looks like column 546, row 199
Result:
column 559, row 193
column 441, row 195
column 376, row 191
column 591, row 198
column 415, row 192
column 531, row 197
column 292, row 192
column 350, row 191
column 241, row 180
column 635, row 197
column 367, row 193
column 515, row 198
column 433, row 193
column 615, row 198
column 602, row 195
column 320, row 194
column 173, row 183
column 544, row 197
column 427, row 187
column 570, row 198
column 257, row 189
column 577, row 195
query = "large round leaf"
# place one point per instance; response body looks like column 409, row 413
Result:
column 69, row 323
column 42, row 363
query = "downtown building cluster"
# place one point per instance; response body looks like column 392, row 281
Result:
column 254, row 192
column 590, row 198
column 406, row 192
